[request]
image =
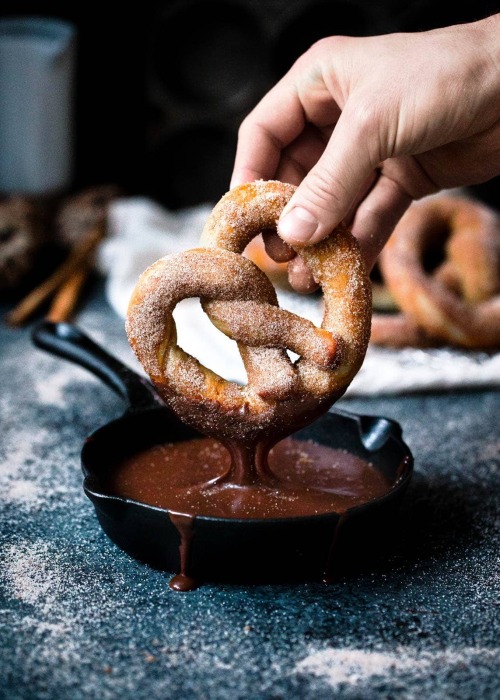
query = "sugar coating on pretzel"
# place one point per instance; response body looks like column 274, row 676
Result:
column 280, row 395
column 457, row 302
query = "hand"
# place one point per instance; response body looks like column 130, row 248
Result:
column 365, row 125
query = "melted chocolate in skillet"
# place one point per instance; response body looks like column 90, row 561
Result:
column 203, row 477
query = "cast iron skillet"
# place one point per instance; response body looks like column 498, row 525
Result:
column 225, row 549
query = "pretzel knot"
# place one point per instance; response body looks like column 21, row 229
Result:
column 239, row 299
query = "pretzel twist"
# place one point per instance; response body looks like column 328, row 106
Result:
column 458, row 302
column 280, row 395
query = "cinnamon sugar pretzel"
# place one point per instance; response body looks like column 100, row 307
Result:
column 280, row 395
column 458, row 301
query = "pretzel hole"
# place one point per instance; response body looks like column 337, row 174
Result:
column 434, row 252
column 197, row 336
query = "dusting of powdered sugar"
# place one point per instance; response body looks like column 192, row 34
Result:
column 358, row 667
column 22, row 481
column 52, row 392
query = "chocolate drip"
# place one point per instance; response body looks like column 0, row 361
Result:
column 203, row 477
column 249, row 464
column 184, row 524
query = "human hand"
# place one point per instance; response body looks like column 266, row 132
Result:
column 365, row 125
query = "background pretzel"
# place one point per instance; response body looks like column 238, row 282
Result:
column 456, row 301
column 22, row 235
column 280, row 395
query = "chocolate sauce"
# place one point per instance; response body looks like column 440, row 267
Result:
column 202, row 477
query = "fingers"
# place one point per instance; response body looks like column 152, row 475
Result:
column 300, row 276
column 327, row 193
column 334, row 166
column 264, row 133
column 276, row 248
column 377, row 215
column 361, row 195
column 372, row 223
column 373, row 218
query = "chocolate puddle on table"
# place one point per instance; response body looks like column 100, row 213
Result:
column 190, row 479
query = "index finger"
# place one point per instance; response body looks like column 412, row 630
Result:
column 270, row 127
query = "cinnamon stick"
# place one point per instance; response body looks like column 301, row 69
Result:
column 66, row 299
column 78, row 258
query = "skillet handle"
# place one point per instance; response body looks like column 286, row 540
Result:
column 69, row 342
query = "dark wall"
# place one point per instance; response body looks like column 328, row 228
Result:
column 161, row 87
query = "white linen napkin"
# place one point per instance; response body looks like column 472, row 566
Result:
column 140, row 231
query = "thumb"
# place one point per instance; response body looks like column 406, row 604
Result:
column 328, row 192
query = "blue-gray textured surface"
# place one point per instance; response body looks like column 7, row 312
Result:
column 81, row 619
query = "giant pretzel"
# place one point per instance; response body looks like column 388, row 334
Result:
column 280, row 395
column 457, row 302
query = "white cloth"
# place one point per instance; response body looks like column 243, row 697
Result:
column 141, row 231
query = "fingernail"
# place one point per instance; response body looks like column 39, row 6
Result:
column 297, row 226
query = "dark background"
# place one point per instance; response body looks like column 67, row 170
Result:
column 161, row 87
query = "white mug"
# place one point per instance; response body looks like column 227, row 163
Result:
column 37, row 62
